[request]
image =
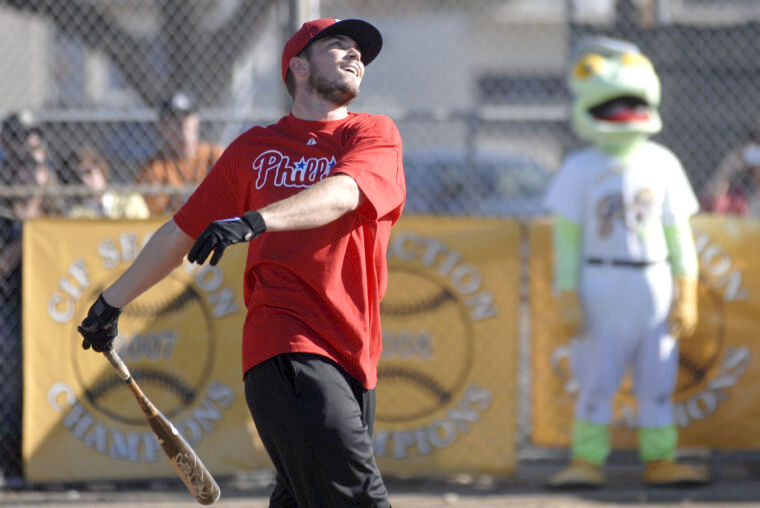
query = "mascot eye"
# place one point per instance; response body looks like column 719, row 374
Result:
column 635, row 60
column 589, row 65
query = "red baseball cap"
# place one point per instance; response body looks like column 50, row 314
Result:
column 366, row 36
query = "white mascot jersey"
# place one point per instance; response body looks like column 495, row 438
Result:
column 623, row 206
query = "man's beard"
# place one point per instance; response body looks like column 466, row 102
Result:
column 339, row 94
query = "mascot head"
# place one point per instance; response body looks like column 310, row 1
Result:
column 616, row 93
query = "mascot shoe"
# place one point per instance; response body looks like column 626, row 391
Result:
column 667, row 472
column 578, row 474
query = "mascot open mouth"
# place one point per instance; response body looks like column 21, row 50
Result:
column 627, row 108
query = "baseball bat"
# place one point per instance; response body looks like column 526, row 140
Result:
column 183, row 458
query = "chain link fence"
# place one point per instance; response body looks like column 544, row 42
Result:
column 476, row 87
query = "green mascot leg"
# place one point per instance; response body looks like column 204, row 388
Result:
column 591, row 442
column 590, row 448
column 657, row 443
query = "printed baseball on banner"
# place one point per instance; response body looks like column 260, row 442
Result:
column 180, row 339
column 719, row 366
column 447, row 378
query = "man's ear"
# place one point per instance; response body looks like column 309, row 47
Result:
column 299, row 66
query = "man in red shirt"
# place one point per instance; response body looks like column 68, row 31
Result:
column 316, row 195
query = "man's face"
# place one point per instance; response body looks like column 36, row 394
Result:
column 335, row 69
column 34, row 170
column 181, row 130
column 92, row 174
column 33, row 161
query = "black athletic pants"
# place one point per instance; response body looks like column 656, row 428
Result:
column 315, row 422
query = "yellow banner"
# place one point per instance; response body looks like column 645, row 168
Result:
column 447, row 380
column 447, row 391
column 181, row 340
column 719, row 374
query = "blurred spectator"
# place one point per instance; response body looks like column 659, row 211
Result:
column 35, row 172
column 24, row 165
column 87, row 166
column 735, row 187
column 10, row 345
column 18, row 134
column 182, row 158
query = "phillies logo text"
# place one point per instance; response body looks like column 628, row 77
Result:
column 303, row 173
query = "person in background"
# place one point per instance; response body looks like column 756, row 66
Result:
column 19, row 134
column 182, row 158
column 87, row 166
column 735, row 187
column 24, row 165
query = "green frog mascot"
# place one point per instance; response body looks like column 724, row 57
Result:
column 626, row 266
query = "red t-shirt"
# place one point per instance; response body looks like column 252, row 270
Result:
column 316, row 290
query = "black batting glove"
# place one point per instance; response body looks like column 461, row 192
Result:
column 221, row 234
column 99, row 328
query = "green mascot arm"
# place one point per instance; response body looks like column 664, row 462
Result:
column 682, row 250
column 567, row 263
column 567, row 253
column 685, row 265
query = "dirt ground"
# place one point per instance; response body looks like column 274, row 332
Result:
column 735, row 485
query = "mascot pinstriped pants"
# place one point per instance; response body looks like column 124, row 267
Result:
column 626, row 310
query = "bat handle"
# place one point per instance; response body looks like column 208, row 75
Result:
column 118, row 364
column 121, row 369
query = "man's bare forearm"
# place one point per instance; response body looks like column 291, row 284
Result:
column 315, row 206
column 162, row 254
